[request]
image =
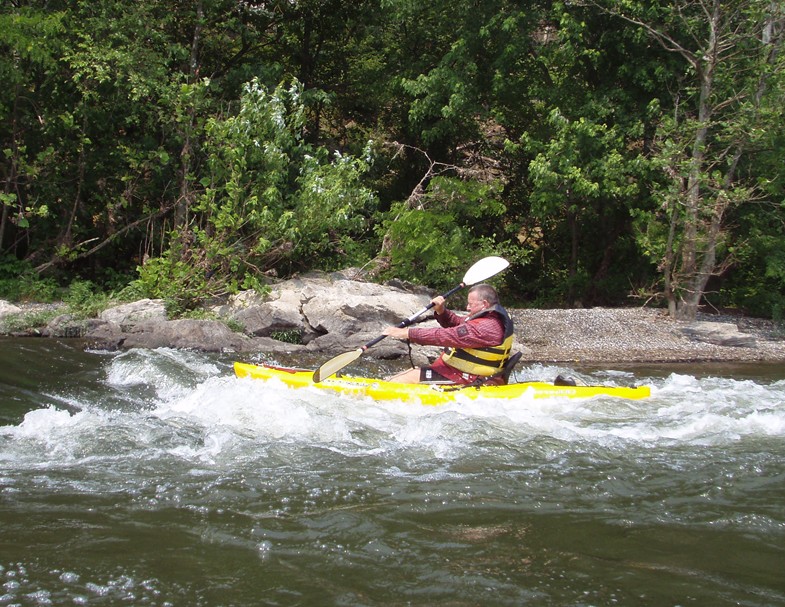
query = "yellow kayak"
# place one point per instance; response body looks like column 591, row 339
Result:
column 429, row 394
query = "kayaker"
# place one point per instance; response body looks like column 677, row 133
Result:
column 476, row 345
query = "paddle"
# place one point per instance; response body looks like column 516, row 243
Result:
column 480, row 271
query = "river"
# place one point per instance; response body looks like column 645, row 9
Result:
column 158, row 478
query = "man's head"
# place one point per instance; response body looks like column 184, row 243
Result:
column 480, row 297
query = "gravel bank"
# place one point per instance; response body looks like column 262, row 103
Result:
column 644, row 335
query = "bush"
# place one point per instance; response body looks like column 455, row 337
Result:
column 23, row 321
column 19, row 282
column 84, row 301
column 455, row 224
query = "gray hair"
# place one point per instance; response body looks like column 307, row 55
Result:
column 486, row 292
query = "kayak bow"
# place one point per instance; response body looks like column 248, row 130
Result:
column 429, row 394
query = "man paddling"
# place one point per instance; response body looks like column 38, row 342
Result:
column 476, row 345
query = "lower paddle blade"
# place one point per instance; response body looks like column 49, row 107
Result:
column 334, row 365
column 485, row 269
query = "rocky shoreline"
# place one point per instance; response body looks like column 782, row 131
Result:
column 645, row 335
column 332, row 314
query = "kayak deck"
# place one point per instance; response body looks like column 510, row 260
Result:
column 429, row 394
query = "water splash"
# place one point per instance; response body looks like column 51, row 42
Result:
column 189, row 396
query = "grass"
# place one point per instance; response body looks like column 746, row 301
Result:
column 27, row 321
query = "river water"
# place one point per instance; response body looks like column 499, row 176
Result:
column 158, row 478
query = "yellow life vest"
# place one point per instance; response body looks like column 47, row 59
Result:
column 483, row 361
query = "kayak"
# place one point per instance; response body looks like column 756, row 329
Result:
column 429, row 394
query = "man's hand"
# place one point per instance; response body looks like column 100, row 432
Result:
column 397, row 333
column 438, row 304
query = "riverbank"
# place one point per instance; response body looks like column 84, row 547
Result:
column 607, row 335
column 645, row 335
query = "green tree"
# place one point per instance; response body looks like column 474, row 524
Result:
column 580, row 171
column 271, row 202
column 96, row 164
column 576, row 155
column 449, row 65
column 29, row 47
column 730, row 81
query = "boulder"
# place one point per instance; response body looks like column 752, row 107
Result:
column 105, row 336
column 321, row 306
column 719, row 334
column 107, row 331
column 131, row 314
column 281, row 311
column 347, row 307
column 67, row 325
column 335, row 342
column 188, row 334
column 8, row 308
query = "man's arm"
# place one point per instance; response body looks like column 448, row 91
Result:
column 478, row 333
column 446, row 319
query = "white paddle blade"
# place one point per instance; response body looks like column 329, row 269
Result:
column 332, row 366
column 485, row 269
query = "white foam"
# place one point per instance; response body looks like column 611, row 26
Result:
column 171, row 373
column 208, row 416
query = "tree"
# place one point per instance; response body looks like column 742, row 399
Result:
column 450, row 67
column 732, row 64
column 575, row 154
column 581, row 170
column 29, row 47
column 270, row 202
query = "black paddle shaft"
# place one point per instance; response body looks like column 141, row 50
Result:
column 408, row 321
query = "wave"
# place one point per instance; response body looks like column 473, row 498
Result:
column 186, row 405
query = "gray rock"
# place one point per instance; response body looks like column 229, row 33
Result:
column 105, row 336
column 719, row 334
column 66, row 326
column 189, row 334
column 8, row 308
column 319, row 306
column 128, row 315
column 264, row 316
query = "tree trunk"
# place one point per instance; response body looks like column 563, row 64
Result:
column 699, row 265
column 726, row 111
column 694, row 281
column 572, row 270
column 185, row 199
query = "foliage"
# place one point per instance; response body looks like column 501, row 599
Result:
column 582, row 171
column 603, row 147
column 756, row 284
column 85, row 300
column 19, row 282
column 271, row 199
column 204, row 314
column 176, row 279
column 455, row 223
column 731, row 78
column 289, row 337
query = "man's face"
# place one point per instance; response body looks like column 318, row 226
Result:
column 475, row 304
